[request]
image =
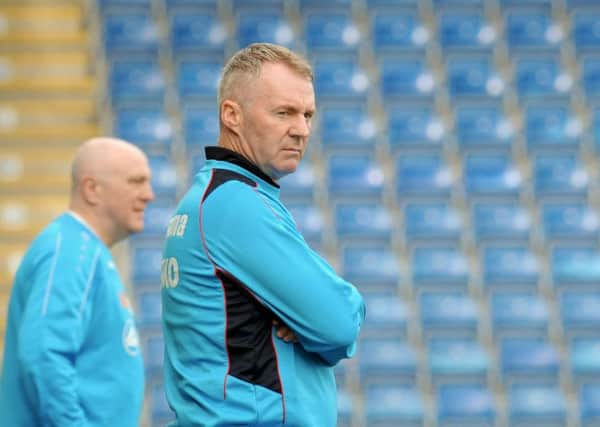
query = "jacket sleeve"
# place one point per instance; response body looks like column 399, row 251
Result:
column 51, row 334
column 246, row 238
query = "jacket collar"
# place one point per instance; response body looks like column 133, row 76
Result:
column 227, row 155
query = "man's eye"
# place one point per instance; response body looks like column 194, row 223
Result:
column 282, row 113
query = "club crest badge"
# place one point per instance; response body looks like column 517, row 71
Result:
column 131, row 339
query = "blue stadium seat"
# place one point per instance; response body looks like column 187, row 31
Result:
column 589, row 404
column 201, row 124
column 518, row 313
column 339, row 78
column 580, row 310
column 526, row 358
column 148, row 307
column 448, row 312
column 532, row 29
column 330, row 30
column 164, row 175
column 405, row 76
column 346, row 126
column 494, row 221
column 386, row 359
column 541, row 77
column 370, row 265
column 342, row 371
column 509, row 265
column 461, row 358
column 144, row 126
column 373, row 4
column 300, row 184
column 422, row 174
column 575, row 265
column 197, row 31
column 397, row 30
column 473, row 76
column 137, row 81
column 195, row 163
column 362, row 221
column 527, row 3
column 146, row 262
column 460, row 29
column 552, row 127
column 204, row 4
column 308, row 219
column 431, row 221
column 153, row 350
column 255, row 25
column 156, row 219
column 258, row 4
column 354, row 175
column 393, row 405
column 124, row 4
column 439, row 266
column 465, row 405
column 570, row 221
column 585, row 357
column 559, row 175
column 591, row 76
column 159, row 408
column 585, row 29
column 411, row 125
column 483, row 126
column 388, row 315
column 345, row 405
column 460, row 3
column 198, row 78
column 128, row 32
column 305, row 5
column 595, row 127
column 491, row 175
column 536, row 404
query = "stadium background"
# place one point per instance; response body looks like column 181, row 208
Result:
column 452, row 175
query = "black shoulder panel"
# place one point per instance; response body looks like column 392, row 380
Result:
column 221, row 176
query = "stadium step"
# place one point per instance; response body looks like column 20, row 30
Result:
column 42, row 26
column 15, row 113
column 48, row 135
column 22, row 218
column 36, row 170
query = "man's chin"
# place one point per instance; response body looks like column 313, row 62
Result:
column 136, row 227
column 285, row 171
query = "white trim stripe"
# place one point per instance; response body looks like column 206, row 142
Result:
column 51, row 274
column 89, row 281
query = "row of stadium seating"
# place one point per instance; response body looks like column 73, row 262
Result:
column 451, row 175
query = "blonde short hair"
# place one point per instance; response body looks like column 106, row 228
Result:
column 247, row 63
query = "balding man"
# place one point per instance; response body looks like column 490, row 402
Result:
column 72, row 355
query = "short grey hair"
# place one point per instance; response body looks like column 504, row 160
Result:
column 247, row 64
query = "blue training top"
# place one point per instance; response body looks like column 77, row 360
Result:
column 233, row 262
column 72, row 355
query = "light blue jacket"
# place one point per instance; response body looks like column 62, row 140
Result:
column 71, row 351
column 233, row 262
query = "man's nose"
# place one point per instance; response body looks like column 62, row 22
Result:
column 148, row 194
column 301, row 127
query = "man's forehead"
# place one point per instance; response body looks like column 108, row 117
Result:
column 299, row 94
column 132, row 163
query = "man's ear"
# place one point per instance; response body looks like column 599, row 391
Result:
column 90, row 190
column 231, row 115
